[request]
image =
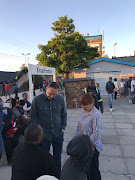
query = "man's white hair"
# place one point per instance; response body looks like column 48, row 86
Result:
column 46, row 177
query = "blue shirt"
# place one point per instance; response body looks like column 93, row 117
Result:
column 91, row 125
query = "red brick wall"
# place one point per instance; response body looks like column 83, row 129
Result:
column 73, row 91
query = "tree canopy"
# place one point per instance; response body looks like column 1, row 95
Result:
column 66, row 49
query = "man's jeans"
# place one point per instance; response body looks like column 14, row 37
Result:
column 110, row 99
column 129, row 93
column 57, row 145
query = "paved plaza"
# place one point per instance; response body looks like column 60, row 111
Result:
column 117, row 161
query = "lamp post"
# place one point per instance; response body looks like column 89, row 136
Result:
column 114, row 49
column 25, row 56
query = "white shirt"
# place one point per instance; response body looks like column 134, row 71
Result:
column 132, row 85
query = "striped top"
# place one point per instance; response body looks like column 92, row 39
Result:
column 91, row 125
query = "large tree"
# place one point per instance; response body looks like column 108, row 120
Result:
column 67, row 49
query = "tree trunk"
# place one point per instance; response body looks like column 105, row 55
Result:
column 66, row 75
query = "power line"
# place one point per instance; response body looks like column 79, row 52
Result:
column 15, row 40
column 17, row 43
column 14, row 55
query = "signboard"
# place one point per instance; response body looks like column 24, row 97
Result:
column 38, row 70
column 41, row 70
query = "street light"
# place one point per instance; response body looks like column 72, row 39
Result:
column 25, row 56
column 114, row 49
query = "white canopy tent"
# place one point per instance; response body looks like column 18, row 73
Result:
column 38, row 70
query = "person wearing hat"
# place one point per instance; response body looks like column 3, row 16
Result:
column 27, row 106
column 80, row 149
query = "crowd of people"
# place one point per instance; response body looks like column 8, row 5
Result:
column 113, row 88
column 42, row 125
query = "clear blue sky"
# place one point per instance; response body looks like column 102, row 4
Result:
column 29, row 22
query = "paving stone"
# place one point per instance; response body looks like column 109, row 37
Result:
column 132, row 177
column 64, row 158
column 126, row 132
column 109, row 132
column 124, row 126
column 112, row 150
column 108, row 125
column 70, row 129
column 108, row 139
column 65, row 143
column 114, row 165
column 132, row 120
column 68, row 136
column 72, row 123
column 73, row 119
column 128, row 151
column 5, row 172
column 107, row 116
column 114, row 177
column 107, row 120
column 119, row 116
column 125, row 120
column 128, row 140
column 131, row 165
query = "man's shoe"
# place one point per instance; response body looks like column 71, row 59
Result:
column 110, row 109
column 113, row 109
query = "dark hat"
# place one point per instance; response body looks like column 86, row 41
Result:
column 24, row 94
column 21, row 102
column 79, row 148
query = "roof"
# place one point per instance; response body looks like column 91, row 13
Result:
column 92, row 37
column 111, row 60
column 126, row 58
column 108, row 60
column 6, row 76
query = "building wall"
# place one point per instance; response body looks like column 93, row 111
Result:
column 73, row 91
column 94, row 41
column 103, row 66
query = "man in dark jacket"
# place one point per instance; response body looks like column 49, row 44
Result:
column 80, row 150
column 30, row 159
column 96, row 94
column 129, row 88
column 110, row 88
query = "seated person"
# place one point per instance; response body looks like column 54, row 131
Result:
column 80, row 149
column 30, row 159
column 11, row 137
column 18, row 110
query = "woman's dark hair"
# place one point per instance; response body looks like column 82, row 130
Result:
column 20, row 120
column 21, row 102
column 53, row 85
column 32, row 133
column 115, row 79
column 86, row 99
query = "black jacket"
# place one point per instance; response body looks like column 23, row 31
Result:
column 110, row 87
column 98, row 99
column 32, row 161
column 77, row 166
